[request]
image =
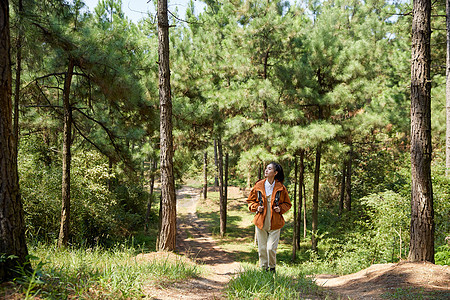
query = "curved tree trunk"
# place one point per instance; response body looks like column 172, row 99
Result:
column 64, row 230
column 168, row 215
column 422, row 213
column 12, row 226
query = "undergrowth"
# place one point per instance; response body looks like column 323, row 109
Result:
column 92, row 273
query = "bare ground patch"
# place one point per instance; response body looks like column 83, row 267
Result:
column 195, row 242
column 402, row 280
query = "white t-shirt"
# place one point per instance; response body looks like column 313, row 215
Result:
column 269, row 190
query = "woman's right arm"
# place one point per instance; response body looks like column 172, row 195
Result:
column 252, row 201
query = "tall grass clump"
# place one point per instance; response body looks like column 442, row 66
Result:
column 99, row 273
column 287, row 283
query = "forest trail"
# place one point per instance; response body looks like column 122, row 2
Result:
column 402, row 280
column 195, row 242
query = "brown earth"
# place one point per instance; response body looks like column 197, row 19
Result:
column 402, row 280
column 195, row 242
column 381, row 281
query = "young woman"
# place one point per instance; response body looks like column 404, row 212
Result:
column 270, row 200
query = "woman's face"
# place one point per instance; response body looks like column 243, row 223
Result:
column 270, row 171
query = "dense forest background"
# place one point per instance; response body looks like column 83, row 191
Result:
column 323, row 87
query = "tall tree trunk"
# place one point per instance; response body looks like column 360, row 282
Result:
column 304, row 212
column 110, row 167
column 301, row 179
column 150, row 194
column 294, row 235
column 348, row 181
column 205, row 175
column 422, row 213
column 159, row 222
column 225, row 183
column 447, row 93
column 64, row 229
column 223, row 203
column 12, row 226
column 216, row 163
column 18, row 73
column 342, row 195
column 315, row 209
column 167, row 236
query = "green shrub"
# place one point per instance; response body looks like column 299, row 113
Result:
column 389, row 214
column 442, row 255
column 98, row 214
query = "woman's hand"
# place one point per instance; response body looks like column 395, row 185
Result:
column 260, row 209
column 276, row 209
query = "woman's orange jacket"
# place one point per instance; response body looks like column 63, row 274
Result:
column 277, row 220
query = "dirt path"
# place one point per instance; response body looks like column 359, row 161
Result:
column 404, row 280
column 383, row 281
column 194, row 241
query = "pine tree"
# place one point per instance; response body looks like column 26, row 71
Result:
column 422, row 212
column 168, row 212
column 13, row 246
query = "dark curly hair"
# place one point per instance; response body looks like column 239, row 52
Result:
column 279, row 169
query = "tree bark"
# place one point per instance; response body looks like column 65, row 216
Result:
column 447, row 93
column 223, row 202
column 342, row 195
column 110, row 168
column 422, row 213
column 300, row 195
column 18, row 74
column 316, row 199
column 12, row 225
column 216, row 163
column 225, row 182
column 348, row 180
column 304, row 212
column 159, row 222
column 64, row 229
column 205, row 175
column 294, row 235
column 167, row 236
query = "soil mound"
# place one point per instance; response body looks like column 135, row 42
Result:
column 380, row 281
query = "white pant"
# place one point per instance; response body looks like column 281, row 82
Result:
column 267, row 247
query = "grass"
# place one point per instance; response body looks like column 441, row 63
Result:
column 415, row 294
column 287, row 283
column 99, row 273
